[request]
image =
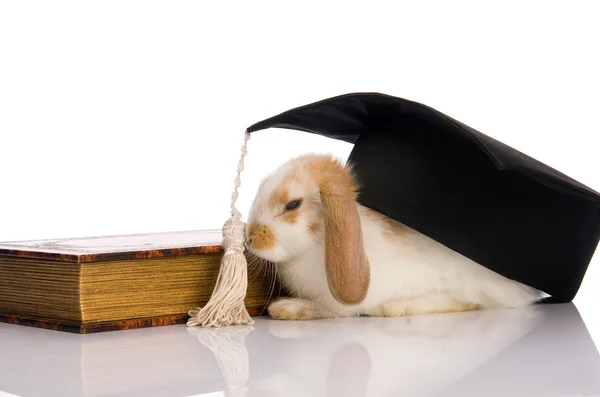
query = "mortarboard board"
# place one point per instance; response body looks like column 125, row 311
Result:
column 477, row 196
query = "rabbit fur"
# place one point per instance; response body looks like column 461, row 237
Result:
column 338, row 258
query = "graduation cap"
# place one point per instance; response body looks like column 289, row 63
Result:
column 475, row 195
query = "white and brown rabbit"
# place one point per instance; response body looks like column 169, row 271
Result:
column 338, row 258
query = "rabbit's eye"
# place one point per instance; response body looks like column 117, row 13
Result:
column 292, row 205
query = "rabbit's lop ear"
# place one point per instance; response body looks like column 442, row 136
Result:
column 346, row 263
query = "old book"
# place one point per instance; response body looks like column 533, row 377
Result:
column 104, row 283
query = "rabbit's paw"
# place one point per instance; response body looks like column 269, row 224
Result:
column 296, row 309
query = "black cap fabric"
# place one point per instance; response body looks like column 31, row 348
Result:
column 468, row 191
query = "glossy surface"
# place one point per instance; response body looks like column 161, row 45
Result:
column 538, row 351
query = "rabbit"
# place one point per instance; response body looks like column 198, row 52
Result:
column 338, row 258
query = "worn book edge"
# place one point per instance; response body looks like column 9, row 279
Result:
column 117, row 247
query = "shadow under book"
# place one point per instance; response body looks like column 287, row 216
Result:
column 107, row 283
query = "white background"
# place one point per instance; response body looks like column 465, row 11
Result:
column 128, row 116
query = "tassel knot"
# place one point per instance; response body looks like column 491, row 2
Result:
column 234, row 235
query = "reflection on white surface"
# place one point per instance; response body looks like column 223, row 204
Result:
column 411, row 356
column 3, row 394
column 228, row 344
column 537, row 351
